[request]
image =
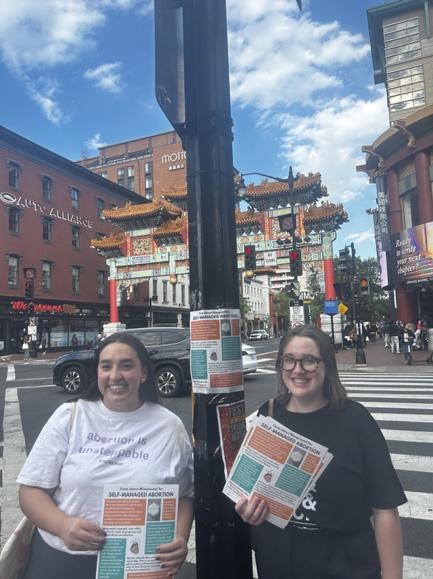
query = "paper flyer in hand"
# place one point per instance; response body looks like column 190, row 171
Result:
column 277, row 465
column 137, row 519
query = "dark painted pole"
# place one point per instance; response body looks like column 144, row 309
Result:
column 360, row 354
column 222, row 539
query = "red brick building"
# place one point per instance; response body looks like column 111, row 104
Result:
column 147, row 165
column 50, row 210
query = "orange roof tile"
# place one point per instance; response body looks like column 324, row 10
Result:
column 249, row 216
column 145, row 210
column 266, row 188
column 179, row 193
column 170, row 227
column 327, row 211
column 112, row 241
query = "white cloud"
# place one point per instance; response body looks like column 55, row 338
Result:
column 106, row 77
column 44, row 91
column 363, row 237
column 95, row 142
column 46, row 32
column 330, row 141
column 292, row 64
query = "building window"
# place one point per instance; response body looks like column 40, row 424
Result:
column 121, row 176
column 14, row 220
column 47, row 184
column 155, row 290
column 99, row 207
column 13, row 261
column 75, row 280
column 75, row 237
column 47, row 229
column 136, row 292
column 113, row 206
column 164, row 292
column 402, row 41
column 410, row 209
column 14, row 174
column 75, row 193
column 174, row 293
column 46, row 275
column 182, row 293
column 104, row 174
column 101, row 283
column 131, row 183
column 148, row 168
column 406, row 88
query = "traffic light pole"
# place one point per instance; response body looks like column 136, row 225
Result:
column 360, row 354
column 223, row 543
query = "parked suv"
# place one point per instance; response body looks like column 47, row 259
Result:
column 259, row 335
column 169, row 349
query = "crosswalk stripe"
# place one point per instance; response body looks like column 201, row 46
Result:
column 402, row 417
column 408, row 395
column 397, row 405
column 408, row 436
column 419, row 506
column 412, row 462
column 10, row 373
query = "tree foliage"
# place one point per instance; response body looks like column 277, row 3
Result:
column 282, row 310
column 317, row 297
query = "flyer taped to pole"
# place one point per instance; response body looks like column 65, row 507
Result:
column 137, row 519
column 216, row 354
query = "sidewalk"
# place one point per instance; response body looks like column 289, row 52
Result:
column 19, row 358
column 380, row 359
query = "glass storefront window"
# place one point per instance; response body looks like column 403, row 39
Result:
column 59, row 335
column 92, row 330
column 79, row 331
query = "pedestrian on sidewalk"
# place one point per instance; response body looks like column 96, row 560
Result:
column 62, row 481
column 408, row 339
column 424, row 335
column 393, row 333
column 331, row 533
column 385, row 333
column 26, row 349
column 43, row 344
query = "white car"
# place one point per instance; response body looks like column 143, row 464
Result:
column 249, row 359
column 259, row 335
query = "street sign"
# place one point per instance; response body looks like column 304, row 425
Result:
column 33, row 322
column 297, row 311
column 331, row 307
column 342, row 309
column 32, row 330
column 270, row 258
column 305, row 295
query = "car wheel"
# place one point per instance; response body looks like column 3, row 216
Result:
column 169, row 382
column 73, row 380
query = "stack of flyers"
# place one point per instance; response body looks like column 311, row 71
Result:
column 277, row 465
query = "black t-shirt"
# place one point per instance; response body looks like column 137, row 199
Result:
column 360, row 475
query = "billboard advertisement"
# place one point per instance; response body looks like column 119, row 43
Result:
column 412, row 254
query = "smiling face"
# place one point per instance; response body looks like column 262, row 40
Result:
column 119, row 376
column 306, row 387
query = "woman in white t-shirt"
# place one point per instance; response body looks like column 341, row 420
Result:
column 120, row 434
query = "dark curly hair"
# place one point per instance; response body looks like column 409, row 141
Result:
column 147, row 390
column 333, row 389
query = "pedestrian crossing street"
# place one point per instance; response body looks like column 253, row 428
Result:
column 402, row 405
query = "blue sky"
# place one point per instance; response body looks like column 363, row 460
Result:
column 78, row 74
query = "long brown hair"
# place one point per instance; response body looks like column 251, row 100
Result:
column 147, row 390
column 333, row 390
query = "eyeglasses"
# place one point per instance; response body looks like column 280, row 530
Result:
column 308, row 364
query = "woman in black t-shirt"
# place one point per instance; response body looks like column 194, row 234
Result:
column 330, row 535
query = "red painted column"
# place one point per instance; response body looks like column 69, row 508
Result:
column 114, row 311
column 328, row 266
column 423, row 186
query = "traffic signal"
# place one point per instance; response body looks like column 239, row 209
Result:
column 295, row 262
column 364, row 286
column 345, row 260
column 29, row 290
column 343, row 291
column 250, row 257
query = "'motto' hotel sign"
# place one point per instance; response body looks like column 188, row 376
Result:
column 12, row 199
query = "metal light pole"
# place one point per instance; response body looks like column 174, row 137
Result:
column 360, row 354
